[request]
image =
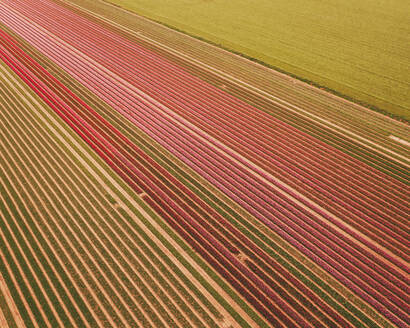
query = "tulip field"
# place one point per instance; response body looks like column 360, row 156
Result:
column 148, row 179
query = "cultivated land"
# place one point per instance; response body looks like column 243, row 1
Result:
column 148, row 179
column 79, row 248
column 359, row 49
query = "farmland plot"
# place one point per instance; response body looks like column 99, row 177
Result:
column 149, row 195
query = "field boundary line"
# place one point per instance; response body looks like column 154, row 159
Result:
column 278, row 101
column 183, row 125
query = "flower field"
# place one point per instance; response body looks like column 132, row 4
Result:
column 147, row 182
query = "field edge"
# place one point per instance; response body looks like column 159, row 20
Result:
column 313, row 83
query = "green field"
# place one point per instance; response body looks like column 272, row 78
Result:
column 360, row 49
